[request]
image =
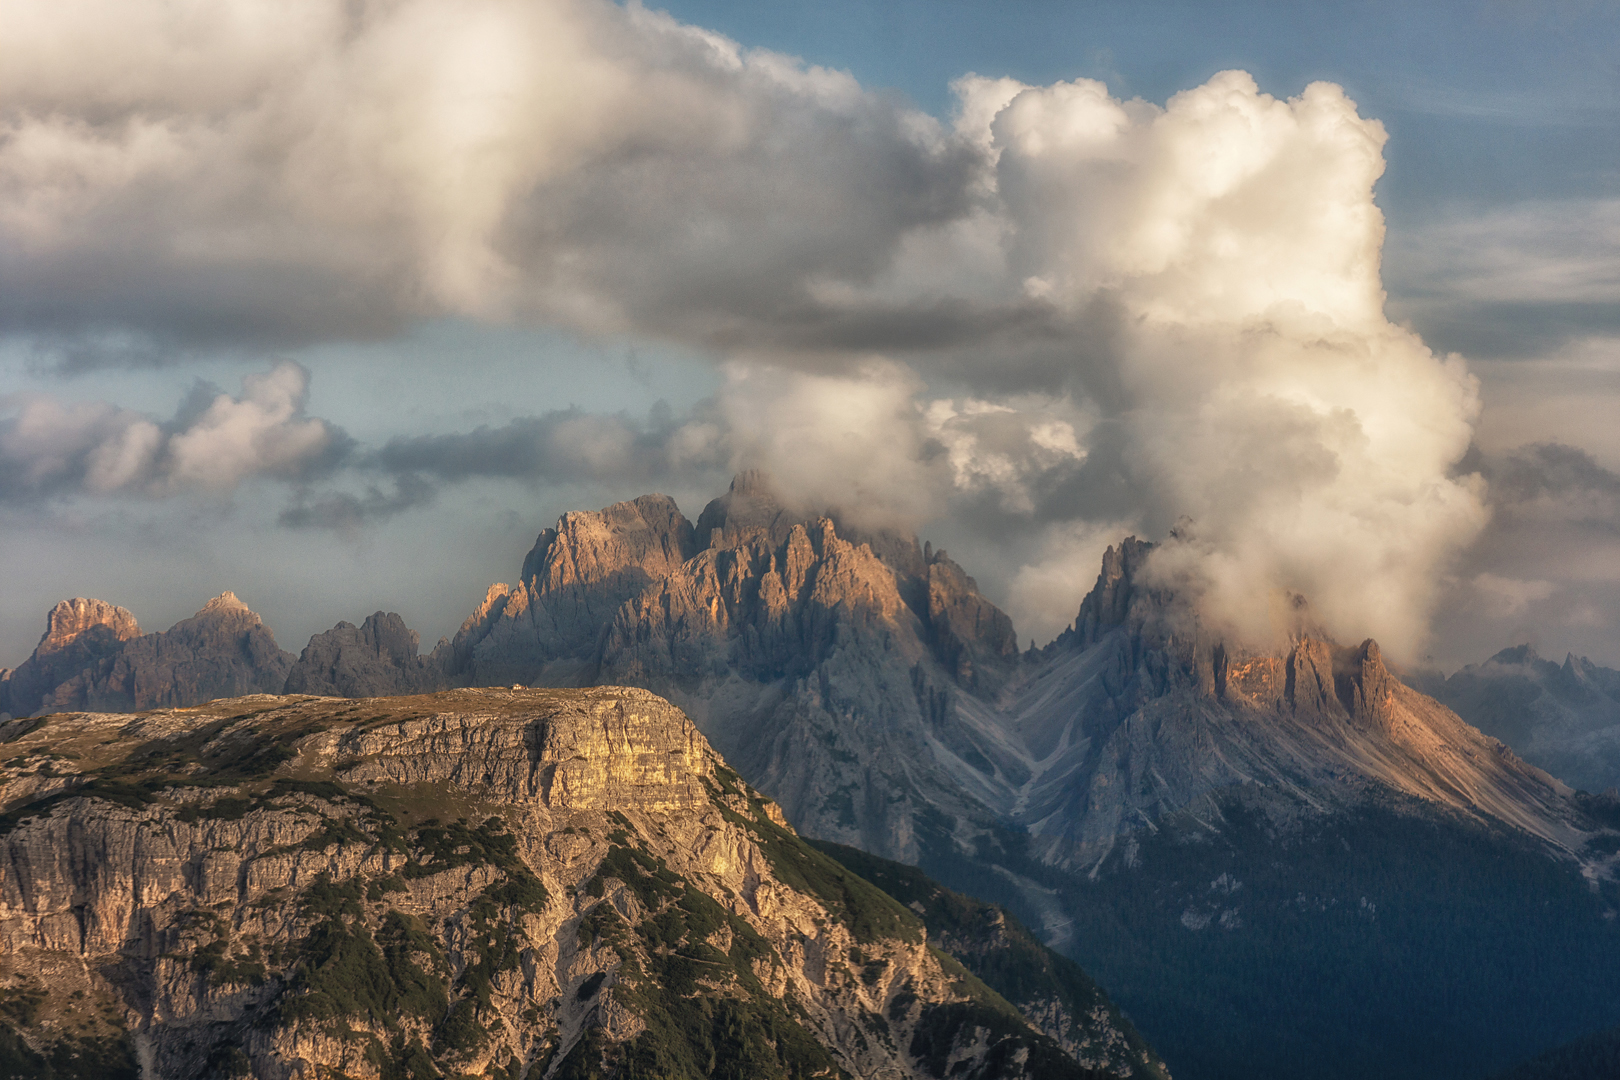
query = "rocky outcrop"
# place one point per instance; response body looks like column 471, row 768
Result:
column 504, row 883
column 93, row 656
column 1108, row 603
column 79, row 634
column 225, row 650
column 376, row 658
column 1048, row 988
column 547, row 628
column 974, row 638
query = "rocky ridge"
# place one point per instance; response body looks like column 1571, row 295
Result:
column 93, row 656
column 378, row 658
column 1143, row 711
column 1317, row 847
column 1564, row 718
column 480, row 882
column 79, row 634
column 825, row 662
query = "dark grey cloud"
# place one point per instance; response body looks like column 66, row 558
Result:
column 345, row 512
column 1512, row 282
column 567, row 446
column 1507, row 329
column 1546, row 471
column 1546, row 569
column 563, row 448
column 611, row 170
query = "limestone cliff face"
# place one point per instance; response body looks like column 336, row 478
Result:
column 805, row 664
column 79, row 633
column 498, row 883
column 975, row 638
column 548, row 626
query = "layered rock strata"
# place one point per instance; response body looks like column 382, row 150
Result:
column 498, row 883
column 826, row 662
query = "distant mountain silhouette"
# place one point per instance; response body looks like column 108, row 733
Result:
column 1563, row 717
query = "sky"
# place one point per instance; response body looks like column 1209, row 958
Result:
column 337, row 305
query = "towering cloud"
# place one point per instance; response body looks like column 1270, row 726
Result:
column 1252, row 380
column 1210, row 271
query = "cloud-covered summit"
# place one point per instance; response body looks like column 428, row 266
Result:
column 1055, row 316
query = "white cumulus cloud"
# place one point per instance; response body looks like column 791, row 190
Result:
column 49, row 447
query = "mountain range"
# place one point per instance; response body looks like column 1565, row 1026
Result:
column 1283, row 847
column 1563, row 717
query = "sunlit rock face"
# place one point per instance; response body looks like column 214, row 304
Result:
column 826, row 662
column 93, row 656
column 477, row 882
column 78, row 634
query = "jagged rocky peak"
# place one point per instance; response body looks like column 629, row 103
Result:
column 70, row 620
column 1563, row 717
column 572, row 581
column 93, row 656
column 648, row 532
column 226, row 603
column 750, row 508
column 1307, row 671
column 376, row 658
column 1146, row 687
column 974, row 638
column 1109, row 601
column 542, row 883
column 79, row 634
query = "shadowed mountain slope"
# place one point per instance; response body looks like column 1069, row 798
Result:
column 1046, row 986
column 1590, row 1057
column 1145, row 711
